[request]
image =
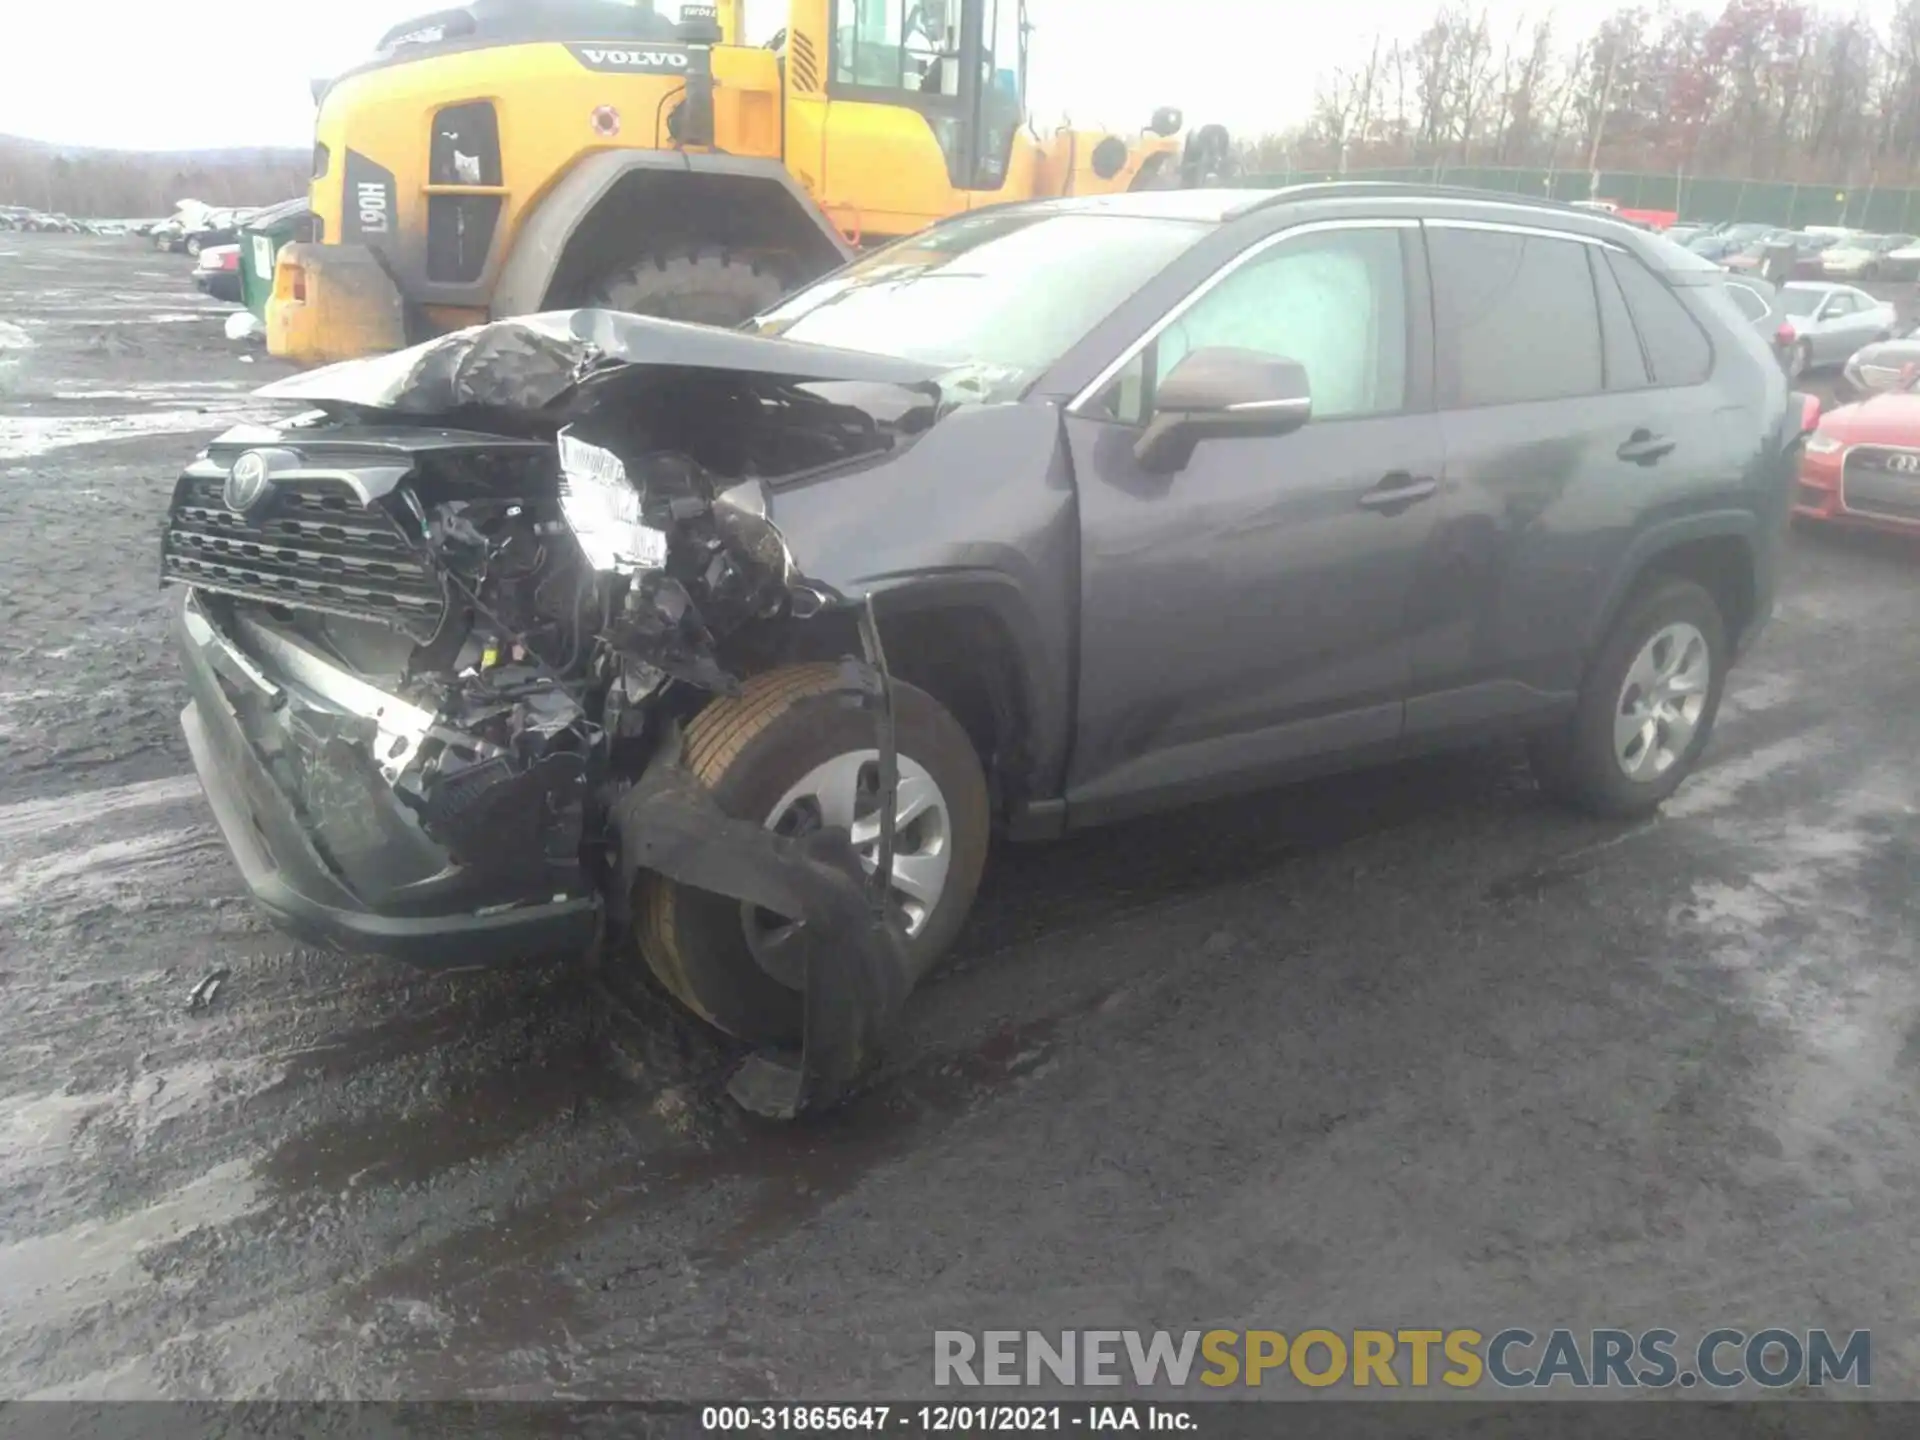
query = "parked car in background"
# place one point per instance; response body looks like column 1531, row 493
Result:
column 549, row 584
column 1880, row 367
column 1830, row 322
column 1810, row 255
column 40, row 222
column 1759, row 301
column 221, row 227
column 1861, row 467
column 1711, row 245
column 195, row 225
column 1902, row 263
column 1759, row 254
column 218, row 272
column 1861, row 257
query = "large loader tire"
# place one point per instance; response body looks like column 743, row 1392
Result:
column 756, row 751
column 709, row 287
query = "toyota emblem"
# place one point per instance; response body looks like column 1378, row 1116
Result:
column 1907, row 463
column 246, row 482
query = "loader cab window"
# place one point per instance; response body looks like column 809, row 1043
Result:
column 893, row 45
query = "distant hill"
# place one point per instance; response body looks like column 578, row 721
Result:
column 87, row 182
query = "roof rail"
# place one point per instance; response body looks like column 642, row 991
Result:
column 1361, row 189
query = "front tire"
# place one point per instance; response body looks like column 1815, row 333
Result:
column 763, row 753
column 708, row 287
column 1647, row 707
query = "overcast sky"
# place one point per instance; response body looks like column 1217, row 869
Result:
column 177, row 74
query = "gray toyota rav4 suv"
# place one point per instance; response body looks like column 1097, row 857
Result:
column 736, row 648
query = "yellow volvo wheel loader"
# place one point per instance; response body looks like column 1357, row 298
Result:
column 510, row 156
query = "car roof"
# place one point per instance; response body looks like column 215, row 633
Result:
column 1212, row 207
column 1218, row 206
column 1820, row 287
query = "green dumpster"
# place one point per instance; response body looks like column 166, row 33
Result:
column 261, row 237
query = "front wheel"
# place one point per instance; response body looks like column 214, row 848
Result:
column 1799, row 360
column 708, row 287
column 1647, row 707
column 790, row 753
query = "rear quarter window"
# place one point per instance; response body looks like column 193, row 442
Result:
column 1749, row 300
column 1678, row 350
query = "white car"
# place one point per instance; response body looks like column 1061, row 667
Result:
column 1862, row 257
column 1830, row 322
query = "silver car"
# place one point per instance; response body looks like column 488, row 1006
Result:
column 1889, row 365
column 1830, row 322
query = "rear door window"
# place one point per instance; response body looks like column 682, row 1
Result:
column 1677, row 348
column 1516, row 317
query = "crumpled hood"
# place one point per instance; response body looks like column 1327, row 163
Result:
column 533, row 363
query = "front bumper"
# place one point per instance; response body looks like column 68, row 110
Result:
column 1818, row 497
column 345, row 865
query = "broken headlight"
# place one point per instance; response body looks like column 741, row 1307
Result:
column 603, row 508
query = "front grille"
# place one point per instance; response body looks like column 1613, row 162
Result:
column 1881, row 482
column 311, row 545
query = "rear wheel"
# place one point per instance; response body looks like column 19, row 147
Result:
column 1647, row 707
column 1800, row 360
column 790, row 753
column 193, row 245
column 708, row 287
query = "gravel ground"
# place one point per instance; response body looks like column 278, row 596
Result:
column 1406, row 1048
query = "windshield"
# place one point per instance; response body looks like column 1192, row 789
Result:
column 1009, row 293
column 1801, row 302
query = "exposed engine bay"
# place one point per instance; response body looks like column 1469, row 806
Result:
column 454, row 619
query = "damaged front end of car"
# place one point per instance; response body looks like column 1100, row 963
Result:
column 442, row 636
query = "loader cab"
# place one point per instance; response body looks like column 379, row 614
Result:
column 961, row 64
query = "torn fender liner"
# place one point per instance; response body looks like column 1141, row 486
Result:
column 848, row 960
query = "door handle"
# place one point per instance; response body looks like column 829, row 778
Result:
column 1643, row 447
column 1398, row 490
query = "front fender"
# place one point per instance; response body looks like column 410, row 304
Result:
column 979, row 513
column 540, row 244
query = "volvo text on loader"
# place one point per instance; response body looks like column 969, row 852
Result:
column 510, row 156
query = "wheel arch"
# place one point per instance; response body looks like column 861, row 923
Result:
column 968, row 640
column 1716, row 551
column 616, row 205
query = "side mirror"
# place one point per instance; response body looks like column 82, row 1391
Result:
column 1217, row 393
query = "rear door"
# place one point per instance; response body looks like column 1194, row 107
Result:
column 1247, row 616
column 1561, row 431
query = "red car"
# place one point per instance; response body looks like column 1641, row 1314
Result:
column 1861, row 466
